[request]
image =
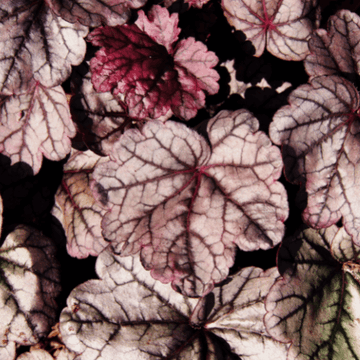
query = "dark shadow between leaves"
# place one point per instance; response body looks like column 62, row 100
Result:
column 10, row 173
column 292, row 166
column 287, row 255
column 207, row 307
column 89, row 132
column 264, row 259
column 251, row 69
column 212, row 101
column 73, row 273
column 330, row 7
column 263, row 103
column 288, row 250
column 352, row 77
column 28, row 199
column 222, row 349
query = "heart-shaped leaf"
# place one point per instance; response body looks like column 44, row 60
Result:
column 36, row 45
column 29, row 283
column 142, row 62
column 280, row 26
column 34, row 124
column 76, row 209
column 186, row 206
column 315, row 304
column 319, row 137
column 129, row 315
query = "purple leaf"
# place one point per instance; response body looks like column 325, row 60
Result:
column 315, row 304
column 152, row 72
column 76, row 209
column 130, row 315
column 337, row 50
column 38, row 46
column 94, row 13
column 280, row 26
column 35, row 124
column 160, row 26
column 319, row 137
column 186, row 206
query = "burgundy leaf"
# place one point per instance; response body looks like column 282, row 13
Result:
column 160, row 26
column 35, row 124
column 186, row 206
column 319, row 134
column 129, row 315
column 153, row 76
column 36, row 45
column 94, row 13
column 76, row 209
column 337, row 50
column 280, row 26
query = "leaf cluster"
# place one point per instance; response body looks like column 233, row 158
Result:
column 175, row 147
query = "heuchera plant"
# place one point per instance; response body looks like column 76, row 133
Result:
column 148, row 139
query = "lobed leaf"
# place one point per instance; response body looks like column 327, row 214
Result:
column 36, row 46
column 152, row 75
column 160, row 26
column 184, row 206
column 129, row 315
column 336, row 51
column 94, row 13
column 280, row 26
column 319, row 137
column 34, row 124
column 29, row 282
column 315, row 303
column 76, row 209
